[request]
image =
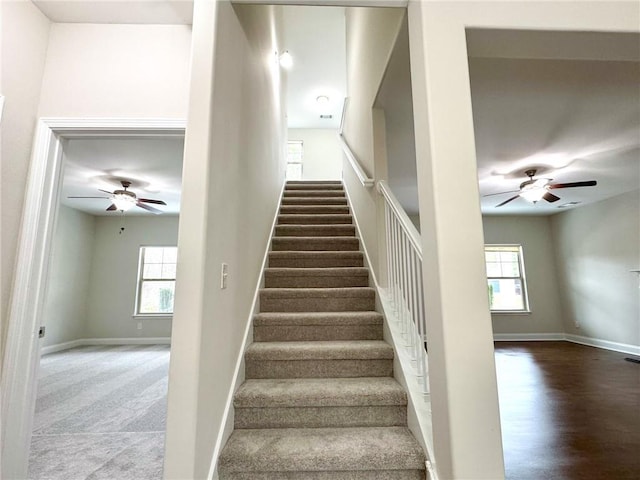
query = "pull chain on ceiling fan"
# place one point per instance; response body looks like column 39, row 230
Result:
column 124, row 200
column 536, row 190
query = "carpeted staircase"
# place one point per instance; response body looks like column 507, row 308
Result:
column 319, row 401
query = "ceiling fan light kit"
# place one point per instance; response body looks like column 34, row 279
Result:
column 124, row 200
column 536, row 190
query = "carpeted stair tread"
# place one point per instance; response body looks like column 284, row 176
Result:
column 314, row 210
column 317, row 299
column 306, row 182
column 313, row 193
column 315, row 219
column 316, row 277
column 335, row 350
column 317, row 318
column 324, row 243
column 315, row 259
column 322, row 449
column 314, row 200
column 313, row 186
column 315, row 231
column 320, row 392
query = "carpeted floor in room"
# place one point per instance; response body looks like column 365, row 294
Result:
column 100, row 414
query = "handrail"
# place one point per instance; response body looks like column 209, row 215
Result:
column 405, row 222
column 366, row 181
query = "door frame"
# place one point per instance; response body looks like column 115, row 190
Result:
column 22, row 353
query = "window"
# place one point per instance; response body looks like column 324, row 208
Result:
column 505, row 278
column 156, row 280
column 294, row 160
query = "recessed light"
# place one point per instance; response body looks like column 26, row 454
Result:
column 322, row 100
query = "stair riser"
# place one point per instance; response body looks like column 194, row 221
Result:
column 314, row 210
column 314, row 193
column 297, row 281
column 314, row 304
column 342, row 368
column 297, row 333
column 307, row 182
column 326, row 475
column 315, row 231
column 315, row 219
column 314, row 262
column 314, row 201
column 319, row 417
column 302, row 244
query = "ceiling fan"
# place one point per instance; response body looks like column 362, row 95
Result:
column 124, row 199
column 536, row 190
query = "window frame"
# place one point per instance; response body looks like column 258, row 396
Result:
column 522, row 277
column 140, row 281
column 301, row 162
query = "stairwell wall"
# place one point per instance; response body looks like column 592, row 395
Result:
column 370, row 37
column 233, row 173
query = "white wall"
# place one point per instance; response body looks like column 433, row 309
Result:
column 371, row 34
column 534, row 234
column 116, row 71
column 596, row 246
column 25, row 32
column 233, row 173
column 65, row 307
column 322, row 154
column 114, row 274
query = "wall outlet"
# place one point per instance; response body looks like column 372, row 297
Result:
column 139, row 325
column 577, row 324
column 224, row 273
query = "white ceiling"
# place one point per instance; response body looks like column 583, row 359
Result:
column 152, row 165
column 315, row 37
column 159, row 12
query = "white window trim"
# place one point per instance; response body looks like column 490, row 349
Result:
column 301, row 162
column 139, row 280
column 525, row 290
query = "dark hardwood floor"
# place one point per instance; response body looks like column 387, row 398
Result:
column 568, row 412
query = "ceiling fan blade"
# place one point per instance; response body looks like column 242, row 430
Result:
column 89, row 197
column 507, row 201
column 147, row 207
column 500, row 193
column 105, row 191
column 149, row 200
column 589, row 183
column 111, row 208
column 550, row 197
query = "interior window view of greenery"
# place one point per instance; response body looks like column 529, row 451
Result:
column 505, row 278
column 157, row 279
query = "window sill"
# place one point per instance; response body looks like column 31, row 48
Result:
column 152, row 315
column 510, row 312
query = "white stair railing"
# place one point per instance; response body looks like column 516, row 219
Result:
column 404, row 282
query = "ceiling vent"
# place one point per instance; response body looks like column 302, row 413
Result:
column 326, row 117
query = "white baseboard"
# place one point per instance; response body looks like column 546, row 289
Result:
column 105, row 341
column 528, row 337
column 58, row 347
column 605, row 344
column 554, row 337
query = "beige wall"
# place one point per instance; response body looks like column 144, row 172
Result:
column 322, row 154
column 534, row 234
column 234, row 170
column 65, row 304
column 25, row 32
column 117, row 71
column 371, row 34
column 596, row 246
column 114, row 273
